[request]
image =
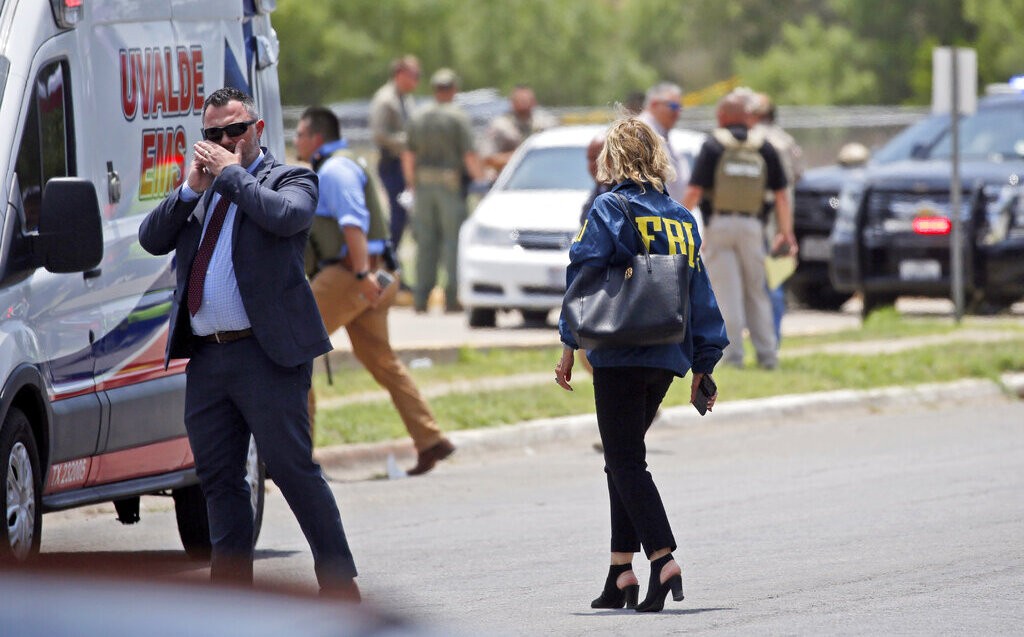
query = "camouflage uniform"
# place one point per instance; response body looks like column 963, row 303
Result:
column 440, row 135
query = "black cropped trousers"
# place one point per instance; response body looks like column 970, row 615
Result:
column 627, row 399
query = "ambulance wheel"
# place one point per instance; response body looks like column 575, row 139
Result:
column 22, row 494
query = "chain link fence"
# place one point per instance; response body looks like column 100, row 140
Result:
column 820, row 130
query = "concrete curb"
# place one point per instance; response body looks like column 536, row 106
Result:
column 367, row 460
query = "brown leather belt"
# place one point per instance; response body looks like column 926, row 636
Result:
column 373, row 260
column 226, row 337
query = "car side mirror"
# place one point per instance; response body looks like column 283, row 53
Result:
column 70, row 235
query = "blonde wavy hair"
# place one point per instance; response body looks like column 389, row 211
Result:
column 632, row 150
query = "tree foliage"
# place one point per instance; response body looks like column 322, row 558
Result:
column 583, row 52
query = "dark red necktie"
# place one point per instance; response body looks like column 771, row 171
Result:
column 197, row 277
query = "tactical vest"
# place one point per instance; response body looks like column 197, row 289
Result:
column 326, row 238
column 741, row 174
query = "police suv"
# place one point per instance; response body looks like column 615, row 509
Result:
column 100, row 101
column 817, row 198
column 892, row 231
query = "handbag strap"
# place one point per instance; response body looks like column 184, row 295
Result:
column 628, row 211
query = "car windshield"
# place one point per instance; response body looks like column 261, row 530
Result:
column 553, row 168
column 991, row 133
column 916, row 138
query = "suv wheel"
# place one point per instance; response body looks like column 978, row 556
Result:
column 819, row 297
column 190, row 508
column 483, row 317
column 23, row 489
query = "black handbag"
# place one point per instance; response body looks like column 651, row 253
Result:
column 643, row 302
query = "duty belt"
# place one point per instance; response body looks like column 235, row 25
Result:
column 738, row 213
column 448, row 177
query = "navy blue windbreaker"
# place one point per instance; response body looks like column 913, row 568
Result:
column 606, row 238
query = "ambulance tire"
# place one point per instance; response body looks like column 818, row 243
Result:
column 21, row 531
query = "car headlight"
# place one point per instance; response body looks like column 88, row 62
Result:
column 1004, row 215
column 485, row 235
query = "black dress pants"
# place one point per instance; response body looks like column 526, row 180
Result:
column 627, row 399
column 232, row 390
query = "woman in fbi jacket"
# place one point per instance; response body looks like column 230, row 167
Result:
column 630, row 382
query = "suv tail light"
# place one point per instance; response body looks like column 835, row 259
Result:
column 932, row 225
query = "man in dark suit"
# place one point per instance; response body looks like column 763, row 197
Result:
column 245, row 316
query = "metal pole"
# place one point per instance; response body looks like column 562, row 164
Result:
column 956, row 262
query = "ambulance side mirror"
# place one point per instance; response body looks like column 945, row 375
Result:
column 70, row 227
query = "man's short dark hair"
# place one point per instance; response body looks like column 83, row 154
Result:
column 403, row 63
column 322, row 120
column 222, row 96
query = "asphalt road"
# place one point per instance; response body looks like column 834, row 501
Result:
column 872, row 523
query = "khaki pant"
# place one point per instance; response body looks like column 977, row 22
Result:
column 341, row 305
column 734, row 255
column 440, row 211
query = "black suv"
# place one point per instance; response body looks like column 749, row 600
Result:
column 814, row 211
column 892, row 231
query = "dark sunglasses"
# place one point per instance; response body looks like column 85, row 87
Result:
column 214, row 133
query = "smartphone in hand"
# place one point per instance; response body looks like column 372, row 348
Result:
column 705, row 390
column 384, row 278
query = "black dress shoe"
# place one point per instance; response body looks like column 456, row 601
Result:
column 431, row 456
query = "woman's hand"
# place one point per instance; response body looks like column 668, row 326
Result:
column 563, row 370
column 694, row 388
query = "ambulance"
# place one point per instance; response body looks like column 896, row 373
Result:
column 100, row 103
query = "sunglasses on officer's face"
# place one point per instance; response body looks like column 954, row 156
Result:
column 214, row 133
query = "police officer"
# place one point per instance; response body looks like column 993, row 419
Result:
column 733, row 169
column 390, row 109
column 439, row 156
column 507, row 131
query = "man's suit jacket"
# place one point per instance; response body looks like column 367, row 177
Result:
column 271, row 226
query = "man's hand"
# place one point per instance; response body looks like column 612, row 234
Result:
column 784, row 244
column 215, row 158
column 407, row 200
column 370, row 290
column 198, row 178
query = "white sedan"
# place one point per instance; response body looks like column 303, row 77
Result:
column 514, row 247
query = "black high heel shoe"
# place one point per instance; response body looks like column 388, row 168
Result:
column 614, row 597
column 657, row 590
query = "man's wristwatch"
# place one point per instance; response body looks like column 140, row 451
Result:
column 362, row 275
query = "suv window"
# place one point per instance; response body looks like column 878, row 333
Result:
column 913, row 140
column 991, row 133
column 47, row 143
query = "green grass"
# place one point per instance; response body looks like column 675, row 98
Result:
column 813, row 372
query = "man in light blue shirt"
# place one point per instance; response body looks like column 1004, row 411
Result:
column 347, row 287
